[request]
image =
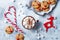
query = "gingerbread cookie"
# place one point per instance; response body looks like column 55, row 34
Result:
column 45, row 6
column 28, row 22
column 9, row 29
column 36, row 5
column 51, row 2
column 19, row 37
column 38, row 9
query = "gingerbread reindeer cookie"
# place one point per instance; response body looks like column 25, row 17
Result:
column 9, row 29
column 45, row 6
column 19, row 37
column 51, row 2
column 36, row 5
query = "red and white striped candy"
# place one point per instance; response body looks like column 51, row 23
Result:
column 15, row 20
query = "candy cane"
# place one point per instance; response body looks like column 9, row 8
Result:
column 14, row 13
column 15, row 20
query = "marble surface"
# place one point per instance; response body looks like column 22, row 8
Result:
column 24, row 10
